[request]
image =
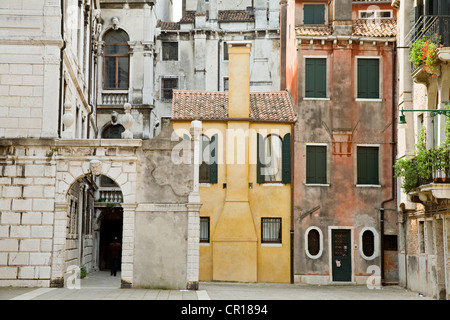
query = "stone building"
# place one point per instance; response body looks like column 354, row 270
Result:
column 191, row 54
column 68, row 185
column 344, row 142
column 423, row 196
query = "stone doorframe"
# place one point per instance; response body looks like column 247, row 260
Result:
column 113, row 158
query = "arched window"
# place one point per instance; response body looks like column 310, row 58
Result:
column 273, row 156
column 116, row 61
column 113, row 132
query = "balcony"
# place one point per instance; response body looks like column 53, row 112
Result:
column 437, row 27
column 114, row 97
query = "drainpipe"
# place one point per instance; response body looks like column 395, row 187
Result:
column 61, row 70
column 292, row 201
column 393, row 148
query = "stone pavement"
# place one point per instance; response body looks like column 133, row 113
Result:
column 101, row 286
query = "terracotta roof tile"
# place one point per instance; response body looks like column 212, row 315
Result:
column 381, row 28
column 168, row 25
column 235, row 16
column 375, row 28
column 274, row 106
column 307, row 30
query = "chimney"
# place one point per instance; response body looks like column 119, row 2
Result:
column 342, row 17
column 239, row 79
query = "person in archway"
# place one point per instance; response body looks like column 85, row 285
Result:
column 115, row 250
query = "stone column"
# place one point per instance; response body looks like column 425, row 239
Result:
column 129, row 218
column 59, row 244
column 193, row 250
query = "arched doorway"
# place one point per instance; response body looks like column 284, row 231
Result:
column 109, row 220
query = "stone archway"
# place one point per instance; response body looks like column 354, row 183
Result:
column 77, row 163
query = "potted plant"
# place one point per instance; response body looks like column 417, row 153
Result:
column 422, row 53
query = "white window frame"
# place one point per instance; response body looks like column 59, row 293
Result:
column 380, row 166
column 376, row 244
column 327, row 98
column 328, row 167
column 380, row 77
column 376, row 14
column 318, row 255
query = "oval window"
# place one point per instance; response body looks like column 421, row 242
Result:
column 368, row 243
column 313, row 242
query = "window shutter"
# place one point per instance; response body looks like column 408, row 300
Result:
column 286, row 159
column 368, row 78
column 214, row 159
column 373, row 85
column 321, row 167
column 313, row 14
column 259, row 156
column 310, row 165
column 315, row 78
column 316, row 164
column 362, row 79
column 367, row 163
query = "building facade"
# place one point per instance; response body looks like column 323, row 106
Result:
column 245, row 175
column 191, row 54
column 76, row 167
column 345, row 222
column 423, row 144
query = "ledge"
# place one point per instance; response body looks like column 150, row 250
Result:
column 429, row 192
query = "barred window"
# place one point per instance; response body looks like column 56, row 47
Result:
column 270, row 230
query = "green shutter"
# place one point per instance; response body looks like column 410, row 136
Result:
column 316, row 164
column 314, row 14
column 368, row 78
column 367, row 164
column 286, row 159
column 259, row 156
column 214, row 159
column 315, row 78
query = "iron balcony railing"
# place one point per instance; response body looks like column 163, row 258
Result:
column 436, row 28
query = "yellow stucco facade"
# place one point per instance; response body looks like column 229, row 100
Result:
column 236, row 203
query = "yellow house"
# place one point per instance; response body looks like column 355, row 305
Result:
column 245, row 175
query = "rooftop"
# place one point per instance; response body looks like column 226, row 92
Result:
column 275, row 106
column 377, row 28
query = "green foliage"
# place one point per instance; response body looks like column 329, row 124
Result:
column 422, row 52
column 83, row 272
column 426, row 161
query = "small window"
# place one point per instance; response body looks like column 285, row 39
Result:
column 367, row 165
column 270, row 230
column 170, row 51
column 225, row 84
column 225, row 51
column 315, row 78
column 204, row 230
column 316, row 164
column 314, row 14
column 368, row 78
column 314, row 243
column 421, row 237
column 390, row 242
column 167, row 86
column 375, row 14
column 368, row 243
